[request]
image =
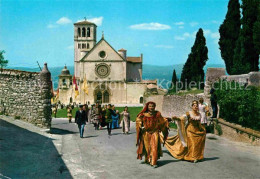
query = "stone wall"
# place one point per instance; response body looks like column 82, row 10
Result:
column 237, row 133
column 173, row 105
column 26, row 95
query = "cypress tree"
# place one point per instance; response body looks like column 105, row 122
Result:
column 256, row 32
column 246, row 57
column 174, row 82
column 193, row 68
column 229, row 32
column 3, row 62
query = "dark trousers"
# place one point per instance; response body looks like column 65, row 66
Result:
column 96, row 126
column 215, row 110
column 81, row 129
column 109, row 127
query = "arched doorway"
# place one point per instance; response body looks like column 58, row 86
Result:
column 106, row 97
column 102, row 94
column 141, row 100
column 99, row 97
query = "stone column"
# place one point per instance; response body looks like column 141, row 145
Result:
column 45, row 77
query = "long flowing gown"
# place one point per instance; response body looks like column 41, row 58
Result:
column 147, row 130
column 189, row 143
column 126, row 121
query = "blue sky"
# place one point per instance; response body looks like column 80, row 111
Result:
column 164, row 31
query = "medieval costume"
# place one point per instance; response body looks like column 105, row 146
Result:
column 125, row 121
column 69, row 113
column 148, row 126
column 189, row 143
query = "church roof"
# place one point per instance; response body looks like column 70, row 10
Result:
column 102, row 39
column 65, row 72
column 149, row 81
column 85, row 22
column 122, row 49
column 134, row 59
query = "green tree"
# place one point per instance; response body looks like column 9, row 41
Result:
column 246, row 57
column 3, row 62
column 193, row 68
column 229, row 32
column 256, row 31
column 174, row 83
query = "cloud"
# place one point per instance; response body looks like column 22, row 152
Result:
column 51, row 26
column 179, row 38
column 63, row 21
column 215, row 22
column 186, row 34
column 150, row 26
column 164, row 46
column 215, row 35
column 70, row 47
column 179, row 23
column 146, row 45
column 192, row 24
column 96, row 20
column 181, row 27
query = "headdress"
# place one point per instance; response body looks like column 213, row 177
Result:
column 145, row 109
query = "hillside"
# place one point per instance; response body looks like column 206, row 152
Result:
column 149, row 72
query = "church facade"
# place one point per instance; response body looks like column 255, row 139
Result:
column 102, row 74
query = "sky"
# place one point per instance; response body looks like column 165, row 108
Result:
column 163, row 31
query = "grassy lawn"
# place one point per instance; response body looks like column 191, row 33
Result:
column 62, row 113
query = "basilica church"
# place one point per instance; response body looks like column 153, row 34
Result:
column 101, row 73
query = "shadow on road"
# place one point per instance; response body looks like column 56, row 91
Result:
column 209, row 159
column 91, row 136
column 54, row 130
column 25, row 154
column 161, row 163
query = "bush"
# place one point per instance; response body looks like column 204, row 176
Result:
column 17, row 117
column 238, row 104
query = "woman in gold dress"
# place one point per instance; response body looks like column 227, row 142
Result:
column 189, row 143
column 148, row 125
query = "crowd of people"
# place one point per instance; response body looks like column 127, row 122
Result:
column 152, row 129
column 99, row 116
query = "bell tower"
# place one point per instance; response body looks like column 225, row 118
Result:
column 84, row 40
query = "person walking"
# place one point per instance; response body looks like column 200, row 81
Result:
column 213, row 101
column 126, row 120
column 69, row 113
column 149, row 123
column 108, row 116
column 189, row 143
column 115, row 118
column 203, row 109
column 80, row 119
column 96, row 116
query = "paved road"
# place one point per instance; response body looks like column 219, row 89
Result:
column 99, row 156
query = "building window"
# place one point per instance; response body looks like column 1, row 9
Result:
column 79, row 32
column 88, row 32
column 99, row 97
column 83, row 32
column 79, row 46
column 83, row 45
column 106, row 97
column 63, row 82
column 87, row 45
column 141, row 100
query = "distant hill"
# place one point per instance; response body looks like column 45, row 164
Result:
column 149, row 72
